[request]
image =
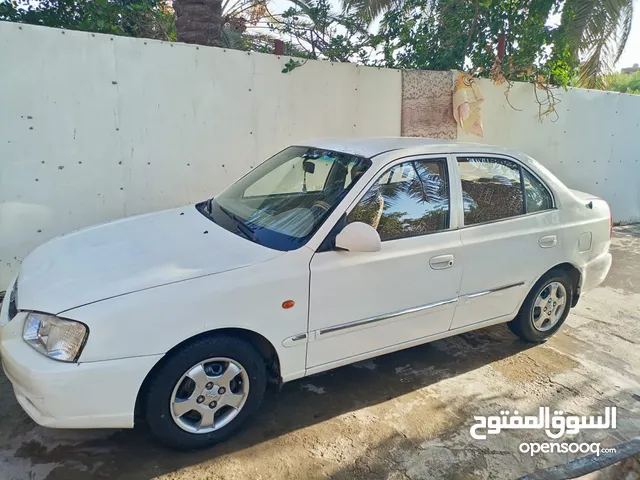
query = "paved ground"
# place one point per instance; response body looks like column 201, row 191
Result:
column 404, row 415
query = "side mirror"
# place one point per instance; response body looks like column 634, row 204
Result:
column 358, row 237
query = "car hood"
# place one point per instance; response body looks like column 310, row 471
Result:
column 129, row 255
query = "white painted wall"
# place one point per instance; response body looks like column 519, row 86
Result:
column 594, row 145
column 94, row 127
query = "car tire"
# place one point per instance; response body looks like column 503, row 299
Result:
column 168, row 381
column 530, row 323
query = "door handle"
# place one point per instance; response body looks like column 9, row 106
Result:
column 548, row 241
column 441, row 262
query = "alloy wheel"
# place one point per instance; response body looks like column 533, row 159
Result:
column 209, row 395
column 549, row 306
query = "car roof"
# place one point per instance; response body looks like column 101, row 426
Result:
column 370, row 147
column 374, row 147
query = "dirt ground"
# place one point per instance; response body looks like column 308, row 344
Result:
column 402, row 416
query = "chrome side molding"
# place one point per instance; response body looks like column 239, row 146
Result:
column 366, row 321
column 493, row 290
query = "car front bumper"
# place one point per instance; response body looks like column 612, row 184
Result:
column 71, row 395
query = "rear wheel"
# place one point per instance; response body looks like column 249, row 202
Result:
column 545, row 308
column 204, row 391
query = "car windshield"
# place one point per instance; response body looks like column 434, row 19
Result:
column 281, row 203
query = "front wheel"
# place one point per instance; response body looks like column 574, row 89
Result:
column 204, row 391
column 545, row 309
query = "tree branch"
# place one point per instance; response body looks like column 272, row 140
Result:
column 472, row 30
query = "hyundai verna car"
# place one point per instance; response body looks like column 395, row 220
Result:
column 328, row 253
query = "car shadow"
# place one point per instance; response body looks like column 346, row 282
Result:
column 299, row 404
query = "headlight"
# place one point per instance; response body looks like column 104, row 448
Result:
column 54, row 337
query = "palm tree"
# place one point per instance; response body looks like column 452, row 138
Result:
column 216, row 22
column 370, row 9
column 596, row 32
column 199, row 21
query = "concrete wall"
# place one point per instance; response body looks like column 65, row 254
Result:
column 94, row 127
column 594, row 145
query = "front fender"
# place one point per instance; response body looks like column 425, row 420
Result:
column 151, row 322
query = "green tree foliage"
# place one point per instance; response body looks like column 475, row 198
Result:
column 464, row 34
column 152, row 19
column 422, row 34
column 437, row 35
column 313, row 31
column 623, row 82
column 442, row 34
column 134, row 18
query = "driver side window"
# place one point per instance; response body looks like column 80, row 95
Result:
column 409, row 199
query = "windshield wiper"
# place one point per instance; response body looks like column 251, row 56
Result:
column 243, row 228
column 246, row 230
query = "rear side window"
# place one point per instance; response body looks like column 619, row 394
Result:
column 496, row 188
column 409, row 199
column 536, row 196
column 491, row 189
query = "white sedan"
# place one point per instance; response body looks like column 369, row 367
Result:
column 328, row 253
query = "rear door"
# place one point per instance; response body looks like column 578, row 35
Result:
column 362, row 304
column 510, row 233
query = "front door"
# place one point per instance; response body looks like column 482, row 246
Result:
column 363, row 304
